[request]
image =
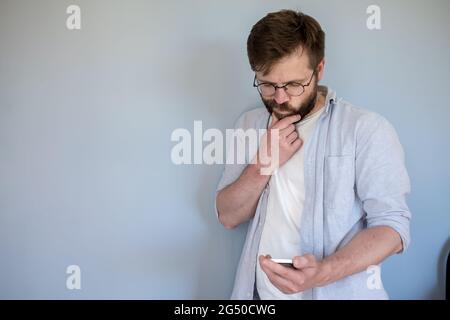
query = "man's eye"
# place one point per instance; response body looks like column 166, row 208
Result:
column 294, row 85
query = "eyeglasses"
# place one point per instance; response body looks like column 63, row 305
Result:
column 291, row 88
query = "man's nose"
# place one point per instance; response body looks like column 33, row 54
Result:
column 281, row 96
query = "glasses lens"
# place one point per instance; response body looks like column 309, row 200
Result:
column 266, row 89
column 294, row 89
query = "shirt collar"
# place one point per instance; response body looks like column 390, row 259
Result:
column 330, row 97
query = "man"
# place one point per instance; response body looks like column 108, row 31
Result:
column 335, row 204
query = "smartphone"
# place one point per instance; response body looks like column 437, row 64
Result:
column 284, row 262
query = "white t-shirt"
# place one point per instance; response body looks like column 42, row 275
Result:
column 281, row 232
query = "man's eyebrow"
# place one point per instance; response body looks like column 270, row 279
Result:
column 297, row 80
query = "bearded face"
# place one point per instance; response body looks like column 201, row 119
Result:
column 286, row 109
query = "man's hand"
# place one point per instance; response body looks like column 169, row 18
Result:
column 237, row 202
column 307, row 273
column 369, row 247
column 283, row 134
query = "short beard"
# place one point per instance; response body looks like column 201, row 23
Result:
column 303, row 111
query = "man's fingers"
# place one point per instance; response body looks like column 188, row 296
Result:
column 283, row 123
column 291, row 137
column 297, row 144
column 284, row 278
column 287, row 131
column 284, row 285
column 277, row 268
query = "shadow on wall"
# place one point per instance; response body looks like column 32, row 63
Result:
column 438, row 292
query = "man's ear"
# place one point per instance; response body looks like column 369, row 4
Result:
column 320, row 69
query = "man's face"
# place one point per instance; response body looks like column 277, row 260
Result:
column 294, row 68
column 286, row 109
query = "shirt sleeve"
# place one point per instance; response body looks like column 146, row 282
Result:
column 382, row 181
column 233, row 168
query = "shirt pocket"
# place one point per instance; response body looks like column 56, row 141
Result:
column 339, row 179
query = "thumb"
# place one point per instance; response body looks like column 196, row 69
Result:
column 306, row 261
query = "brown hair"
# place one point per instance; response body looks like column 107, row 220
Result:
column 279, row 34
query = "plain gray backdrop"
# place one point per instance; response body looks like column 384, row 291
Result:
column 86, row 118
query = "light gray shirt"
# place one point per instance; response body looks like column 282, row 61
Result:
column 355, row 178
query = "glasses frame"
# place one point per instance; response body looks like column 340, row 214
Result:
column 257, row 86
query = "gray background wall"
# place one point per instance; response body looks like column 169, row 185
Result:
column 86, row 118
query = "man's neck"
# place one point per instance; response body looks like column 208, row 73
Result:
column 320, row 101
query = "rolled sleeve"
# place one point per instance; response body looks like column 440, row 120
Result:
column 382, row 181
column 230, row 174
column 232, row 170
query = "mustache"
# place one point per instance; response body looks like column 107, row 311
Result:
column 281, row 107
column 285, row 108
